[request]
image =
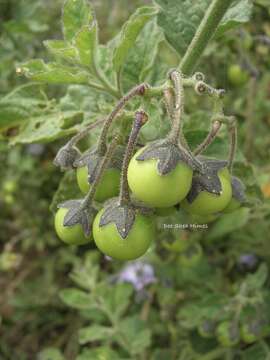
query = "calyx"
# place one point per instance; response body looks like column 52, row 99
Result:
column 208, row 180
column 122, row 215
column 238, row 190
column 66, row 157
column 168, row 155
column 92, row 159
column 78, row 214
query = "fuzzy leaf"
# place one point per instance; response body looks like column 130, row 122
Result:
column 54, row 73
column 129, row 33
column 76, row 14
column 99, row 353
column 136, row 333
column 50, row 353
column 180, row 19
column 94, row 333
column 62, row 50
column 142, row 55
column 228, row 223
column 46, row 128
column 77, row 299
column 86, row 43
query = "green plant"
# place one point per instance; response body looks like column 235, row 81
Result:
column 193, row 267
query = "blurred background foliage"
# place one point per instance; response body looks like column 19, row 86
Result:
column 60, row 302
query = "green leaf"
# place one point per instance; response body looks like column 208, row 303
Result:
column 116, row 299
column 257, row 280
column 180, row 19
column 137, row 336
column 101, row 353
column 228, row 223
column 239, row 13
column 142, row 55
column 11, row 115
column 62, row 50
column 256, row 352
column 76, row 298
column 86, row 43
column 94, row 333
column 76, row 14
column 129, row 33
column 50, row 354
column 54, row 73
column 47, row 128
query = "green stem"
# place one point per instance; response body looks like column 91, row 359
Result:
column 178, row 109
column 140, row 119
column 137, row 90
column 216, row 125
column 233, row 145
column 85, row 131
column 102, row 167
column 204, row 34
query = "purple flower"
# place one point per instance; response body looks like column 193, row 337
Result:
column 139, row 274
column 248, row 261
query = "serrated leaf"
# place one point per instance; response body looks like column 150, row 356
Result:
column 258, row 279
column 76, row 14
column 62, row 50
column 94, row 333
column 228, row 223
column 101, row 353
column 54, row 73
column 137, row 336
column 86, row 44
column 142, row 55
column 129, row 33
column 256, row 351
column 116, row 299
column 76, row 298
column 180, row 19
column 50, row 353
column 46, row 128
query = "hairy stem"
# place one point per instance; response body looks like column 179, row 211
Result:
column 140, row 119
column 102, row 167
column 169, row 102
column 178, row 108
column 233, row 145
column 80, row 135
column 216, row 125
column 203, row 35
column 137, row 90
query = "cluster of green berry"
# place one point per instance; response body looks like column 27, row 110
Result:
column 157, row 177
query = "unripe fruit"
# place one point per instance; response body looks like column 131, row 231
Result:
column 158, row 190
column 137, row 242
column 237, row 76
column 72, row 235
column 108, row 186
column 207, row 203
